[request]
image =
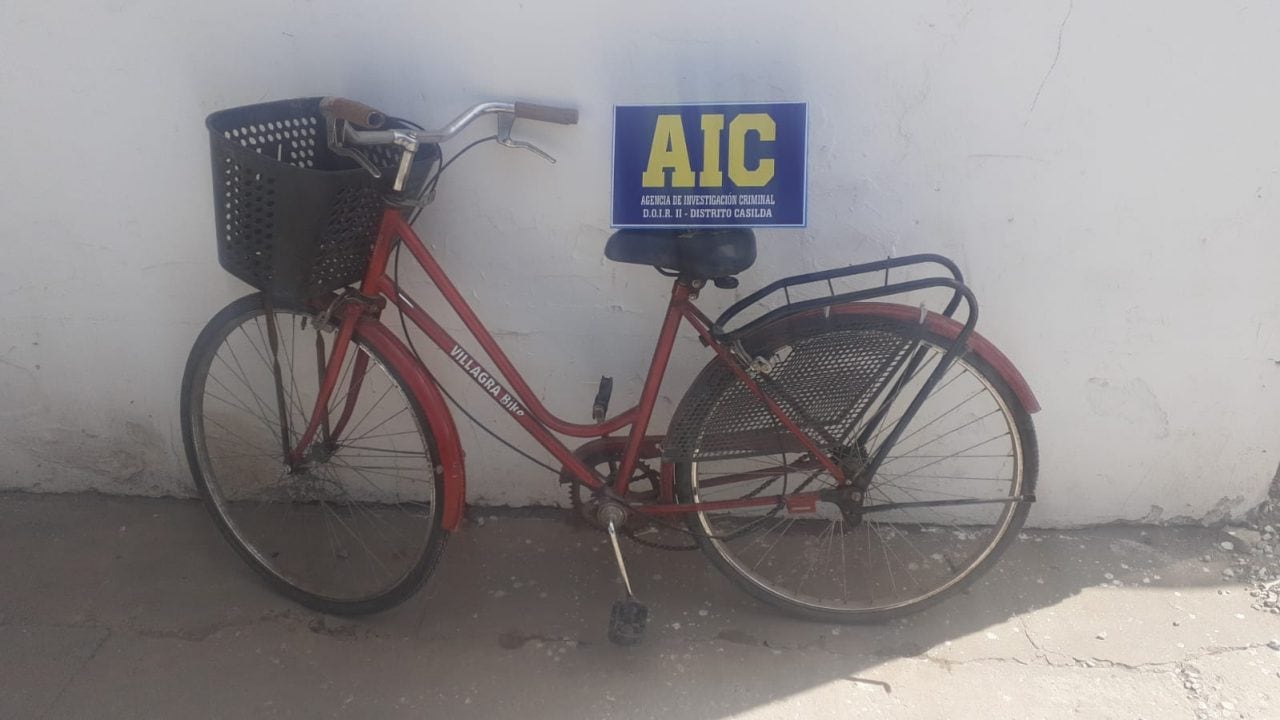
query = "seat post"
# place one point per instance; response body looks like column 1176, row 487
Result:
column 681, row 291
column 686, row 288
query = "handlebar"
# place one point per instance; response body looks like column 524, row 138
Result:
column 547, row 113
column 408, row 140
column 355, row 114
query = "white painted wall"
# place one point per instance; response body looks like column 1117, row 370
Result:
column 1105, row 173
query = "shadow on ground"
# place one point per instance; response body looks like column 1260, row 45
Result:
column 115, row 607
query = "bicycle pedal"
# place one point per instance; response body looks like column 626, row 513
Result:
column 600, row 407
column 627, row 621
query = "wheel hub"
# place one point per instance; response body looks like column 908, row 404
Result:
column 850, row 498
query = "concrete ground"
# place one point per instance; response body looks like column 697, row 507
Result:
column 114, row 607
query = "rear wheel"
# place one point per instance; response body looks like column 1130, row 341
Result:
column 848, row 380
column 356, row 527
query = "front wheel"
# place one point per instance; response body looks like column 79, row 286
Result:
column 948, row 498
column 356, row 526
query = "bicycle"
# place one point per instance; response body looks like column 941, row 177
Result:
column 839, row 457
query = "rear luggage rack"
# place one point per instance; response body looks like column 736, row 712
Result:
column 955, row 283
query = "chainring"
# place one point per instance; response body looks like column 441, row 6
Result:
column 642, row 489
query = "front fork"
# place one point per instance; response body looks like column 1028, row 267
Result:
column 350, row 309
column 273, row 340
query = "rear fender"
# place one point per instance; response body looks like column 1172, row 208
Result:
column 940, row 324
column 448, row 445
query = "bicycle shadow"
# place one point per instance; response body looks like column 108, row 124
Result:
column 513, row 624
column 540, row 590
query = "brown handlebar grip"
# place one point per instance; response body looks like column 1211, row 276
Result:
column 547, row 113
column 357, row 114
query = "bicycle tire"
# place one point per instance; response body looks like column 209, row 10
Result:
column 715, row 540
column 196, row 444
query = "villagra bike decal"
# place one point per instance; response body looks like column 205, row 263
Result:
column 486, row 381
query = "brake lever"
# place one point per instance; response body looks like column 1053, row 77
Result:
column 408, row 145
column 505, row 122
column 339, row 149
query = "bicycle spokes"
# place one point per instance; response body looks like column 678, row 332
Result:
column 350, row 519
column 923, row 522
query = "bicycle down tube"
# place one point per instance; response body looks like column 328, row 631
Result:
column 520, row 401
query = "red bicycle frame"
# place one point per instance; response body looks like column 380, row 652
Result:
column 520, row 401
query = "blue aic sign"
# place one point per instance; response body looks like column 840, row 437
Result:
column 713, row 165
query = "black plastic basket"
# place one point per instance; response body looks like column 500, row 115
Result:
column 295, row 219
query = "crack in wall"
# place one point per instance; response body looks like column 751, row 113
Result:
column 1057, row 53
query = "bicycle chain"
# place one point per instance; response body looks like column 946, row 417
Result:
column 575, row 501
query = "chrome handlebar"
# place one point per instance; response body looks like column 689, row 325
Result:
column 408, row 140
column 388, row 137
